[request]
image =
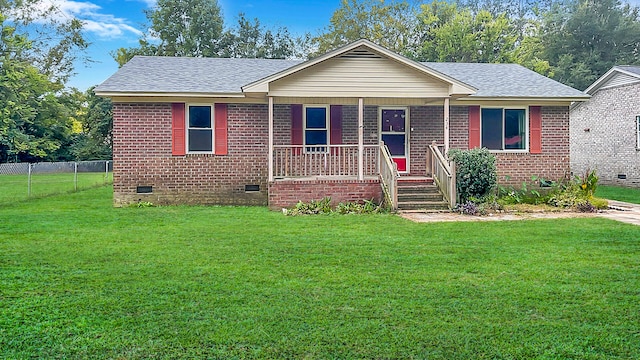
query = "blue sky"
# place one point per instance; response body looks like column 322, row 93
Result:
column 111, row 24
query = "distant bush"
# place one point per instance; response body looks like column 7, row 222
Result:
column 476, row 172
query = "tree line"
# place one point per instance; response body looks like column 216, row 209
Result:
column 572, row 41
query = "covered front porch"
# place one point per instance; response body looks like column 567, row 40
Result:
column 360, row 117
column 356, row 161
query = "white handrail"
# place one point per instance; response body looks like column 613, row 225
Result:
column 444, row 174
column 296, row 161
column 389, row 175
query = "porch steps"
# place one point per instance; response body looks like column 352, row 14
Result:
column 419, row 193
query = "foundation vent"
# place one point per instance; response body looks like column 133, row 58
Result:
column 144, row 189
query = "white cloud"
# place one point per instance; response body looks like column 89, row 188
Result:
column 150, row 3
column 102, row 25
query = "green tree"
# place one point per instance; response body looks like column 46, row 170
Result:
column 34, row 124
column 585, row 38
column 251, row 40
column 94, row 141
column 451, row 34
column 386, row 24
column 57, row 42
column 195, row 28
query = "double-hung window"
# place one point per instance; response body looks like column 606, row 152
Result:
column 504, row 129
column 316, row 128
column 200, row 128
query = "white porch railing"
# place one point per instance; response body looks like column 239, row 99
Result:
column 443, row 173
column 389, row 175
column 291, row 161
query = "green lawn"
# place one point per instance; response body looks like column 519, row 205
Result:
column 631, row 195
column 16, row 187
column 80, row 279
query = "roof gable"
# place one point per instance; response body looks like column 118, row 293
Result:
column 362, row 62
column 616, row 76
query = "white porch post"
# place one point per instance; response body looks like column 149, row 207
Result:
column 361, row 139
column 446, row 126
column 270, row 138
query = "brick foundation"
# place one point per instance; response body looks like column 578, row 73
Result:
column 287, row 193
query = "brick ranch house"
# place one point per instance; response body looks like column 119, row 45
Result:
column 349, row 124
column 605, row 131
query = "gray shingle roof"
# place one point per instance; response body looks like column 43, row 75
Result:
column 158, row 74
column 630, row 68
column 505, row 80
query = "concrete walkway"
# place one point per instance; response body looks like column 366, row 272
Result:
column 619, row 211
column 622, row 211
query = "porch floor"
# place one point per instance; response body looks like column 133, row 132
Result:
column 327, row 177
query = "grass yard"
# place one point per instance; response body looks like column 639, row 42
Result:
column 80, row 279
column 631, row 195
column 16, row 187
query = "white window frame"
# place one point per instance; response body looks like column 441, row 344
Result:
column 526, row 125
column 327, row 128
column 407, row 131
column 213, row 128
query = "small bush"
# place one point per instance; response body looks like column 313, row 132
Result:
column 313, row 207
column 526, row 194
column 585, row 206
column 588, row 182
column 142, row 204
column 324, row 207
column 367, row 207
column 476, row 172
column 599, row 203
column 470, row 208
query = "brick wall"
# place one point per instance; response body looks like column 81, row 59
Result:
column 552, row 163
column 287, row 193
column 427, row 125
column 142, row 157
column 609, row 146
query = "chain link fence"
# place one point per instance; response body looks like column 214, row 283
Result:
column 21, row 181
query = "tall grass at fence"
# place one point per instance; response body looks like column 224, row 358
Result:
column 18, row 187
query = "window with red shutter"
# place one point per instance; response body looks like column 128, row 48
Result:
column 178, row 140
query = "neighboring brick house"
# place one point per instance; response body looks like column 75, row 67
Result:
column 257, row 131
column 605, row 131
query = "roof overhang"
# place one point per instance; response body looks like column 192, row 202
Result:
column 456, row 87
column 527, row 99
column 608, row 75
column 112, row 94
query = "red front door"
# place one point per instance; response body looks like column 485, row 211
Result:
column 394, row 131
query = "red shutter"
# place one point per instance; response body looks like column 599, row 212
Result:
column 535, row 129
column 220, row 120
column 178, row 147
column 474, row 127
column 296, row 124
column 336, row 124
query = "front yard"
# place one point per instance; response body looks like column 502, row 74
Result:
column 80, row 279
column 631, row 195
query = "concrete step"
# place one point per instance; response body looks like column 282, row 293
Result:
column 418, row 189
column 419, row 196
column 423, row 205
